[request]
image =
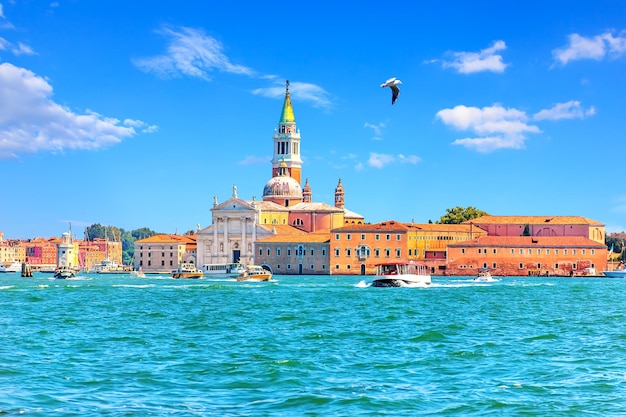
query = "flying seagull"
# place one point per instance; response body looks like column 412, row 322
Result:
column 393, row 84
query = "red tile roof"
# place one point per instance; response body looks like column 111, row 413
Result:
column 533, row 220
column 530, row 241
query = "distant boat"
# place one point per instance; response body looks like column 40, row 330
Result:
column 108, row 266
column 186, row 270
column 15, row 266
column 138, row 273
column 616, row 273
column 484, row 275
column 64, row 272
column 254, row 273
column 401, row 274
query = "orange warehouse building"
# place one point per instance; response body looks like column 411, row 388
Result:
column 528, row 256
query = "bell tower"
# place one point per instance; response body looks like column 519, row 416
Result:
column 287, row 141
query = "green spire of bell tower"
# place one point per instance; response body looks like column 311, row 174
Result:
column 287, row 115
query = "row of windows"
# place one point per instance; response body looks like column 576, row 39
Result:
column 312, row 267
column 521, row 266
column 150, row 247
column 150, row 263
column 399, row 237
column 299, row 251
column 538, row 251
column 364, row 252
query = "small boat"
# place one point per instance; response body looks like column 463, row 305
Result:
column 108, row 266
column 484, row 275
column 64, row 272
column 254, row 273
column 138, row 273
column 401, row 274
column 186, row 270
column 13, row 267
column 616, row 273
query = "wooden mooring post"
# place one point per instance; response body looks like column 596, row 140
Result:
column 27, row 270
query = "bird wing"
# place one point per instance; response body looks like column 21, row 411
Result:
column 388, row 82
column 395, row 91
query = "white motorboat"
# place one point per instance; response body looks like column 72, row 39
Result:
column 401, row 274
column 64, row 272
column 186, row 270
column 616, row 273
column 15, row 266
column 255, row 273
column 484, row 275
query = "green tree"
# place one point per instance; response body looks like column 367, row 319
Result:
column 459, row 214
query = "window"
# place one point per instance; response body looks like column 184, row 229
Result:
column 388, row 237
column 162, row 263
column 377, row 237
column 593, row 251
column 362, row 252
column 348, row 252
column 485, row 265
column 512, row 251
column 260, row 251
column 530, row 251
column 277, row 251
column 462, row 250
column 556, row 251
column 149, row 263
column 556, row 266
column 162, row 254
column 387, row 253
column 479, row 250
column 376, row 253
column 268, row 251
column 337, row 252
column 337, row 266
column 288, row 251
column 564, row 251
column 348, row 267
column 337, row 236
column 311, row 252
column 495, row 251
column 363, row 236
column 584, row 252
column 547, row 251
column 538, row 251
column 494, row 265
column 398, row 253
column 348, row 236
column 171, row 263
column 398, row 238
column 323, row 251
column 573, row 251
column 521, row 266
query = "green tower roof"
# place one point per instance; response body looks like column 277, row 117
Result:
column 287, row 115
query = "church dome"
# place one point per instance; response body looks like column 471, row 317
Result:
column 282, row 186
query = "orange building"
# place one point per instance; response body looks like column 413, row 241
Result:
column 356, row 249
column 41, row 252
column 291, row 251
column 527, row 256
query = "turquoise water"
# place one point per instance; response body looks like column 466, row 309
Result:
column 311, row 346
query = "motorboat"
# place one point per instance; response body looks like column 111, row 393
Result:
column 64, row 272
column 254, row 273
column 186, row 270
column 484, row 275
column 107, row 266
column 138, row 273
column 616, row 273
column 401, row 274
column 15, row 266
column 224, row 270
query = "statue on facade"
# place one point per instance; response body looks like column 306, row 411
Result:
column 234, row 191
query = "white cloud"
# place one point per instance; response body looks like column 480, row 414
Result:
column 377, row 128
column 471, row 62
column 190, row 52
column 596, row 47
column 498, row 127
column 298, row 91
column 22, row 49
column 570, row 110
column 379, row 160
column 31, row 122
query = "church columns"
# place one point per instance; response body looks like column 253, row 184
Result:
column 244, row 248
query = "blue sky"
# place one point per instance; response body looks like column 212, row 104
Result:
column 122, row 114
